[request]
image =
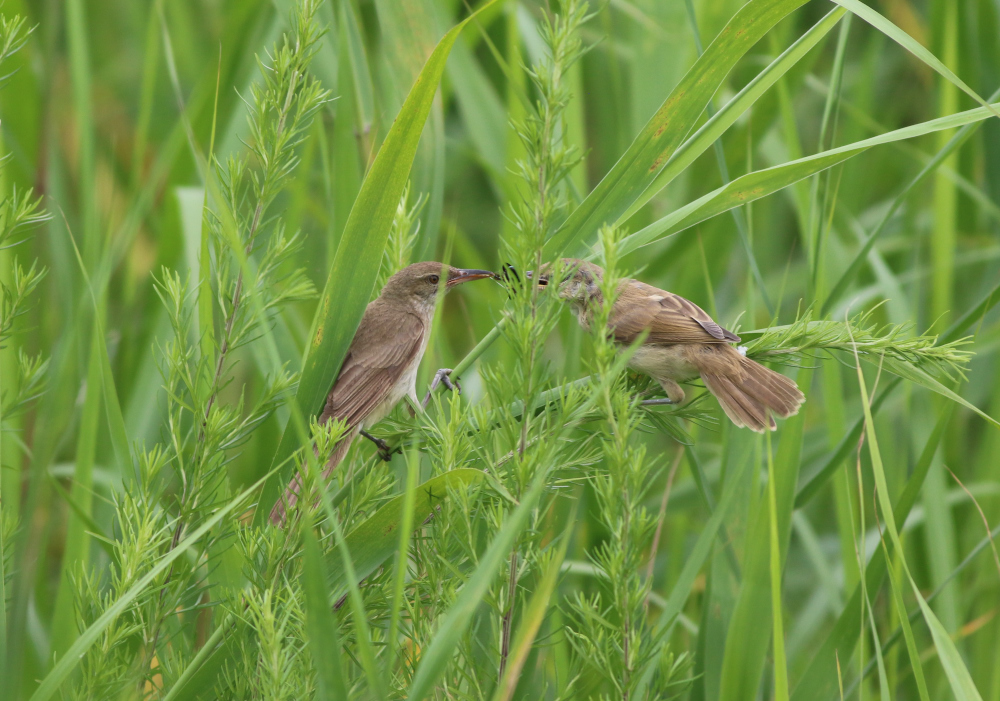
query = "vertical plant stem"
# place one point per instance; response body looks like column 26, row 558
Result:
column 508, row 614
column 780, row 664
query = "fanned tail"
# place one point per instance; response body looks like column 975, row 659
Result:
column 755, row 395
column 279, row 513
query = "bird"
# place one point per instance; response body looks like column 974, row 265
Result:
column 381, row 364
column 682, row 343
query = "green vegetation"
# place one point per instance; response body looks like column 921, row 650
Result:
column 198, row 199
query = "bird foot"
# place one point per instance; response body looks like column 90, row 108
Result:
column 385, row 451
column 441, row 378
column 657, row 402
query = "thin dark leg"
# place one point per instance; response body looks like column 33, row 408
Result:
column 384, row 449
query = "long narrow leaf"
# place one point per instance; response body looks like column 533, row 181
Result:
column 359, row 255
column 955, row 669
column 658, row 140
column 762, row 183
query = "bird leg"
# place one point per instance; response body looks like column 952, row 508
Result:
column 441, row 378
column 384, row 449
column 675, row 394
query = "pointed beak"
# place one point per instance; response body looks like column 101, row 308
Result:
column 467, row 275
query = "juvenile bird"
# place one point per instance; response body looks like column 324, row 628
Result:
column 683, row 343
column 381, row 364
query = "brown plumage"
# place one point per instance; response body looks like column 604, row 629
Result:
column 683, row 343
column 381, row 364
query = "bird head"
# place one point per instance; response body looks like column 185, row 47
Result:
column 578, row 280
column 422, row 282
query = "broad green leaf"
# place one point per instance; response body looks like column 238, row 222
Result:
column 659, row 139
column 359, row 255
column 376, row 539
column 762, row 183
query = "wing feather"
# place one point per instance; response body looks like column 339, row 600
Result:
column 669, row 318
column 374, row 364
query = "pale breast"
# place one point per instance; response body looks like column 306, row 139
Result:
column 405, row 386
column 667, row 362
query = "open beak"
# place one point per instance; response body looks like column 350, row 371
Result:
column 542, row 280
column 467, row 275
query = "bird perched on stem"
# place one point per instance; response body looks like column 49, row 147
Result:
column 381, row 364
column 682, row 343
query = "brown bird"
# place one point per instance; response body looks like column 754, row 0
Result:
column 381, row 364
column 683, row 343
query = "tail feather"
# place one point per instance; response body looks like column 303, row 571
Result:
column 742, row 409
column 279, row 513
column 756, row 394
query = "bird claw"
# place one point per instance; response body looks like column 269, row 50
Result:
column 657, row 402
column 441, row 378
column 385, row 451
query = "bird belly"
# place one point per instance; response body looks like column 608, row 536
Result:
column 664, row 362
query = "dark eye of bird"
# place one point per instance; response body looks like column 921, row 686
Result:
column 434, row 279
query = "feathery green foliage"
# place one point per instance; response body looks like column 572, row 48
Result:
column 555, row 530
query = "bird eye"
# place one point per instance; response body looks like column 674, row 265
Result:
column 434, row 279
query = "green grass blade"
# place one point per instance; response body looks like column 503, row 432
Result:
column 956, row 141
column 403, row 552
column 911, row 372
column 774, row 561
column 955, row 669
column 710, row 132
column 913, row 46
column 658, row 140
column 198, row 678
column 819, row 680
column 752, row 621
column 977, row 313
column 682, row 589
column 361, row 73
column 323, row 636
column 359, row 256
column 844, row 448
column 453, row 624
column 77, row 546
column 761, row 183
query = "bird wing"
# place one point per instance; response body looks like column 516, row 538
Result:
column 669, row 318
column 375, row 362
